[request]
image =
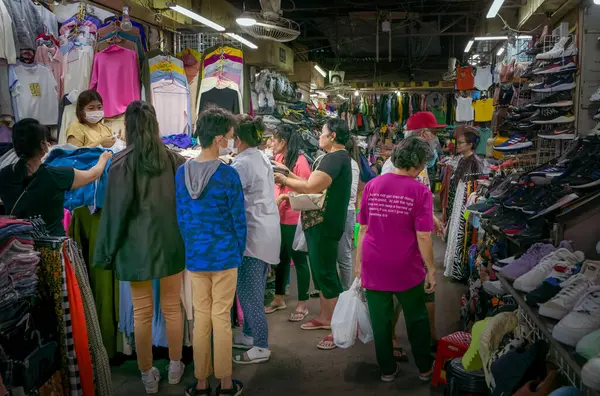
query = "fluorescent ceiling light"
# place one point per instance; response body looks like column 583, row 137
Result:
column 596, row 1
column 245, row 20
column 242, row 40
column 356, row 93
column 500, row 51
column 494, row 8
column 196, row 17
column 343, row 97
column 321, row 71
column 491, row 38
column 469, row 45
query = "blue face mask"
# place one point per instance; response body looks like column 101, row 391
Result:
column 431, row 163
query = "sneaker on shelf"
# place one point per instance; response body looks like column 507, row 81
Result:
column 595, row 96
column 556, row 66
column 551, row 286
column 545, row 33
column 597, row 116
column 555, row 83
column 526, row 108
column 591, row 179
column 558, row 134
column 150, row 379
column 516, row 142
column 549, row 172
column 499, row 264
column 564, row 302
column 504, row 188
column 495, row 288
column 531, row 233
column 482, row 207
column 527, row 261
column 590, row 374
column 526, row 126
column 589, row 346
column 175, row 370
column 559, row 99
column 563, row 48
column 515, row 116
column 534, row 278
column 554, row 116
column 581, row 321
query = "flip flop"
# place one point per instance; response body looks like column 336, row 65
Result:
column 403, row 358
column 300, row 316
column 274, row 308
column 329, row 338
column 254, row 355
column 314, row 324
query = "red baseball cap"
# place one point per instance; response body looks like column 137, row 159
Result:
column 423, row 119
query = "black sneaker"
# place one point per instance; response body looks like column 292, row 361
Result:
column 526, row 126
column 554, row 116
column 519, row 116
column 528, row 108
column 559, row 99
column 555, row 83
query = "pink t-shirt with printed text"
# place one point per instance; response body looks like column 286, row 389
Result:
column 302, row 169
column 394, row 208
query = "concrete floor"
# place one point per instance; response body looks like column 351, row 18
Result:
column 297, row 367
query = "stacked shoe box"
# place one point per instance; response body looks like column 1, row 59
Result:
column 550, row 115
column 565, row 287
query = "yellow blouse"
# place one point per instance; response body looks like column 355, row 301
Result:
column 88, row 134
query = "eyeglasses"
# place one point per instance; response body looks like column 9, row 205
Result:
column 459, row 142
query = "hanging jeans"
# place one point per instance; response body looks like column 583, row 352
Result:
column 282, row 270
column 143, row 312
column 344, row 257
column 252, row 279
column 213, row 298
column 381, row 310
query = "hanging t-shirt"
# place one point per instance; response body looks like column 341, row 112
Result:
column 78, row 69
column 34, row 91
column 464, row 78
column 50, row 21
column 484, row 136
column 483, row 78
column 484, row 110
column 116, row 78
column 52, row 58
column 170, row 99
column 225, row 98
column 464, row 109
column 395, row 208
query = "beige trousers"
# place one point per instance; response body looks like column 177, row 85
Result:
column 143, row 311
column 213, row 298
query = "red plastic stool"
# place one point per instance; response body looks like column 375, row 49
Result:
column 450, row 347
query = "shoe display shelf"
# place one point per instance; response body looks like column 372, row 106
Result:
column 534, row 327
column 549, row 143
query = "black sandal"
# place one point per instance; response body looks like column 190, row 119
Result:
column 237, row 389
column 403, row 358
column 192, row 391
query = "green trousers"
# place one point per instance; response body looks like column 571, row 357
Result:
column 282, row 270
column 381, row 310
column 322, row 255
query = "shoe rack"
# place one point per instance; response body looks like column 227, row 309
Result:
column 550, row 148
column 533, row 327
column 589, row 66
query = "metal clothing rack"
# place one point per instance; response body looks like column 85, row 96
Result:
column 202, row 41
column 534, row 327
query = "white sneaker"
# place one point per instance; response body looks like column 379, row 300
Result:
column 563, row 48
column 176, row 370
column 494, row 288
column 583, row 320
column 242, row 341
column 572, row 290
column 534, row 278
column 596, row 96
column 590, row 374
column 150, row 379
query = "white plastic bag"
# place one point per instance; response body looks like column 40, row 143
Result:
column 365, row 330
column 344, row 323
column 299, row 243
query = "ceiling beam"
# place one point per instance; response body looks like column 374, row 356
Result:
column 360, row 37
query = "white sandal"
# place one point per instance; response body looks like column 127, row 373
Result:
column 255, row 355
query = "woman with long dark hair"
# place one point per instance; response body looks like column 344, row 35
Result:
column 286, row 147
column 324, row 227
column 138, row 236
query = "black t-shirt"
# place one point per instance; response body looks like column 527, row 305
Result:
column 225, row 98
column 338, row 166
column 45, row 195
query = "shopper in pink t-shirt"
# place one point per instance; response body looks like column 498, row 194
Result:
column 286, row 147
column 395, row 239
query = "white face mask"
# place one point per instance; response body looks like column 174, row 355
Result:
column 94, row 117
column 230, row 146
